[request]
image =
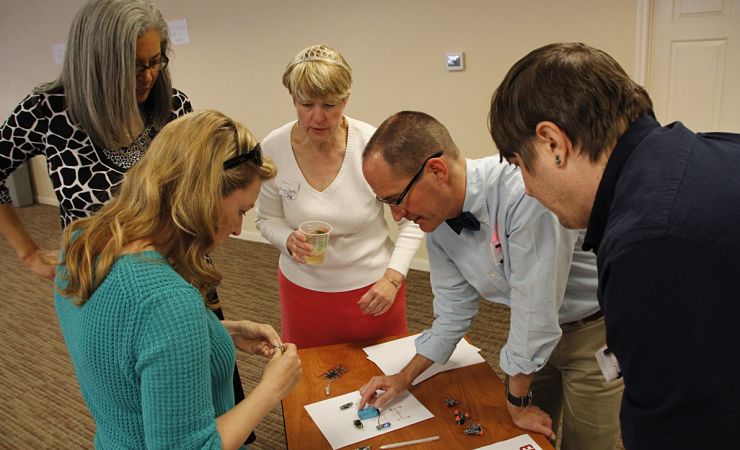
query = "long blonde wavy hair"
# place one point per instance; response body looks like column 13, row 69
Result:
column 170, row 199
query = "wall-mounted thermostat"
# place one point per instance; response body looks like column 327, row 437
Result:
column 455, row 61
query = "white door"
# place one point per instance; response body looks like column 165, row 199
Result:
column 694, row 64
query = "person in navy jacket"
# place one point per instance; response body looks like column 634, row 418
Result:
column 662, row 207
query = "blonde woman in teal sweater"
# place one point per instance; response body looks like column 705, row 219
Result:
column 153, row 362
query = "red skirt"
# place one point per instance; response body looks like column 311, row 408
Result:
column 312, row 318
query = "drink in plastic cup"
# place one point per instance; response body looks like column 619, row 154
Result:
column 317, row 234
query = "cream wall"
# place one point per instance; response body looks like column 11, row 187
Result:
column 396, row 48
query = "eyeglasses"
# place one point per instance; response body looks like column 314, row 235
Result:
column 254, row 155
column 154, row 66
column 415, row 178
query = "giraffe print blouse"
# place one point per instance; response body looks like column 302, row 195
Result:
column 83, row 174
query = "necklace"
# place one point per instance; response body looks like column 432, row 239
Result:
column 126, row 157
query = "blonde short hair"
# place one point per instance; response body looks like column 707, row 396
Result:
column 318, row 72
column 171, row 199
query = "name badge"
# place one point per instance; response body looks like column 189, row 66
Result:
column 288, row 190
column 608, row 364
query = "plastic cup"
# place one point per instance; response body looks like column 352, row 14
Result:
column 317, row 234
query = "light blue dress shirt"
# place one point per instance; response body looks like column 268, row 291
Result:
column 535, row 271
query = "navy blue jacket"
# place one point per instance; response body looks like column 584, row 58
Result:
column 666, row 229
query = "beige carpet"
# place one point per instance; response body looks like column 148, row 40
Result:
column 40, row 402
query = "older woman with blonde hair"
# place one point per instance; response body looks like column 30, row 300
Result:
column 153, row 362
column 359, row 291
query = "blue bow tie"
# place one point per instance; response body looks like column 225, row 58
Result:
column 464, row 220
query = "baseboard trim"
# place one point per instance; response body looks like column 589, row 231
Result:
column 47, row 200
column 254, row 236
column 420, row 264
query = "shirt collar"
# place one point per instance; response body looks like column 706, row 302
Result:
column 626, row 144
column 475, row 187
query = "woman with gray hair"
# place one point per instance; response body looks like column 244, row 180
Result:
column 95, row 121
column 358, row 292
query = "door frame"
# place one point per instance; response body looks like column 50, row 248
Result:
column 642, row 40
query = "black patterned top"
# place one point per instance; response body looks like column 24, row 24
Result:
column 83, row 174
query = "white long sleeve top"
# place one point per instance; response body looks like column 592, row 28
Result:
column 360, row 248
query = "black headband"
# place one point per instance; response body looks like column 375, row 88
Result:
column 254, row 155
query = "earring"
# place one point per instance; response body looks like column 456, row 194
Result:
column 557, row 160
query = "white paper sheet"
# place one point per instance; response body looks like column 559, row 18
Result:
column 393, row 356
column 523, row 442
column 338, row 427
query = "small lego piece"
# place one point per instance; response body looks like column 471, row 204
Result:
column 335, row 372
column 346, row 405
column 332, row 375
column 367, row 447
column 450, row 402
column 383, row 425
column 474, row 430
column 368, row 412
column 282, row 348
column 460, row 417
column 358, row 424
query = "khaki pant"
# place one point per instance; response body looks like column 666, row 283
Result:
column 571, row 383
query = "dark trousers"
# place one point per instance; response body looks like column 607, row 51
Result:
column 238, row 389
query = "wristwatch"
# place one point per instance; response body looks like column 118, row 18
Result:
column 519, row 402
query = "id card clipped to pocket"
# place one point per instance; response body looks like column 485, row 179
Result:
column 608, row 364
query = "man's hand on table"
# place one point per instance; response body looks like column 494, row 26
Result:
column 391, row 385
column 531, row 418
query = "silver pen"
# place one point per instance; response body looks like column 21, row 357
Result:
column 415, row 441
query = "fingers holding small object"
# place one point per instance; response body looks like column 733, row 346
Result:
column 281, row 347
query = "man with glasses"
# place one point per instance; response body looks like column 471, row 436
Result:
column 487, row 239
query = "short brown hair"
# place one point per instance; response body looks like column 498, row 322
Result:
column 409, row 137
column 581, row 89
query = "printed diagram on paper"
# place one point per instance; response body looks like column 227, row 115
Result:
column 337, row 425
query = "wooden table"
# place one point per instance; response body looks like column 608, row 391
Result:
column 476, row 387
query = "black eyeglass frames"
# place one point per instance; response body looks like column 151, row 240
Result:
column 414, row 179
column 154, row 66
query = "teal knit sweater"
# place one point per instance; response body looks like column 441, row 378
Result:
column 154, row 364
